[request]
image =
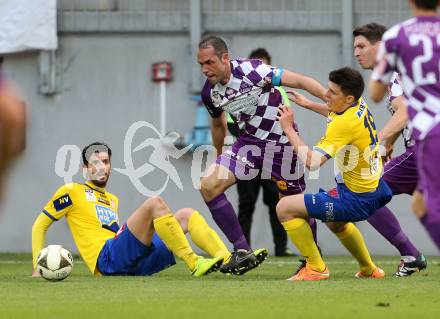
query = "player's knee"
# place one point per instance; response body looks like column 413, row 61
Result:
column 209, row 187
column 284, row 212
column 183, row 215
column 156, row 205
column 336, row 227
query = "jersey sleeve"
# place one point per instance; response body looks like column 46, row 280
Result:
column 207, row 101
column 336, row 136
column 60, row 203
column 386, row 58
column 261, row 74
column 39, row 229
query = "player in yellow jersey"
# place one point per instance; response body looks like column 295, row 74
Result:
column 351, row 139
column 144, row 245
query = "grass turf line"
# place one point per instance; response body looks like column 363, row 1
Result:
column 262, row 293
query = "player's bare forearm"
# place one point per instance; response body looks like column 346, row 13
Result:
column 218, row 131
column 377, row 90
column 300, row 81
column 311, row 159
column 304, row 102
column 320, row 108
column 395, row 125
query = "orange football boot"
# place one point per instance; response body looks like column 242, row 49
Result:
column 307, row 273
column 377, row 273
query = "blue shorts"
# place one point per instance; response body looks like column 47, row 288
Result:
column 345, row 205
column 126, row 255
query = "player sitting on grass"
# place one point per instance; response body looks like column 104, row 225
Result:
column 144, row 245
column 352, row 139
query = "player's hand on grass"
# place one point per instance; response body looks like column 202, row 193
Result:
column 35, row 273
column 285, row 117
column 298, row 98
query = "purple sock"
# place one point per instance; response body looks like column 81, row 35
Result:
column 384, row 221
column 433, row 229
column 223, row 214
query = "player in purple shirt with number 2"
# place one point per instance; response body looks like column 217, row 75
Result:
column 412, row 48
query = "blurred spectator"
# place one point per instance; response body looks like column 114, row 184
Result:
column 12, row 127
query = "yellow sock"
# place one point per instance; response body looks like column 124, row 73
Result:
column 205, row 237
column 352, row 239
column 168, row 229
column 301, row 235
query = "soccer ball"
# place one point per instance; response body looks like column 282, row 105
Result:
column 54, row 263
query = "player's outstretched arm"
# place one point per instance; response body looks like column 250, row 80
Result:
column 301, row 100
column 39, row 229
column 312, row 160
column 303, row 82
column 218, row 131
column 396, row 124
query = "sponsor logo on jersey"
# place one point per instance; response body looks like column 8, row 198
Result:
column 361, row 109
column 230, row 93
column 90, row 195
column 245, row 87
column 106, row 215
column 103, row 200
column 62, row 202
column 216, row 98
column 282, row 185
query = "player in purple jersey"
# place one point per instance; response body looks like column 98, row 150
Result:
column 245, row 89
column 400, row 172
column 412, row 49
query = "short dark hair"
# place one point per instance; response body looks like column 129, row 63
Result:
column 95, row 147
column 373, row 32
column 350, row 81
column 427, row 4
column 217, row 43
column 260, row 53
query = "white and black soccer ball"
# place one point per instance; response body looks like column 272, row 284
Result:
column 54, row 263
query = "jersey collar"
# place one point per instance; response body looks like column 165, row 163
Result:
column 356, row 103
column 89, row 184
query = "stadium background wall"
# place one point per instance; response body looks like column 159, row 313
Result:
column 105, row 53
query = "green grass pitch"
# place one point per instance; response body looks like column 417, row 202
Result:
column 262, row 293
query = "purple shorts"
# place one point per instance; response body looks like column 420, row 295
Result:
column 251, row 158
column 428, row 159
column 400, row 173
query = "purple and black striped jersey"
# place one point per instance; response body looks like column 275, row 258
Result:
column 250, row 97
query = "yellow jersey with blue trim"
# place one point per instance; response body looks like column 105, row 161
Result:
column 91, row 213
column 351, row 138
